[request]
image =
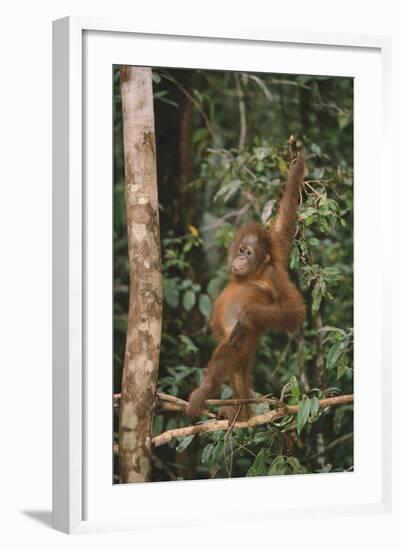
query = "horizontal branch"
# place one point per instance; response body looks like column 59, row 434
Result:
column 339, row 440
column 223, row 425
column 168, row 402
column 164, row 401
column 224, row 402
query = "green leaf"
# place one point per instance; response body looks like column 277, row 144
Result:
column 260, row 437
column 308, row 212
column 186, row 283
column 218, row 450
column 315, row 149
column 261, row 152
column 340, row 370
column 314, row 406
column 188, row 343
column 213, row 287
column 293, row 383
column 265, row 89
column 184, row 443
column 282, row 165
column 294, row 258
column 303, row 413
column 332, row 274
column 200, row 134
column 310, row 220
column 171, row 293
column 278, row 466
column 205, row 305
column 304, row 248
column 228, row 190
column 343, row 120
column 258, row 467
column 259, row 167
column 267, row 211
column 296, row 466
column 226, row 393
column 317, row 174
column 207, row 452
column 328, row 328
column 334, row 354
column 188, row 300
column 316, row 298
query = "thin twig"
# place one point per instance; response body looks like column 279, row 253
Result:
column 288, row 83
column 227, row 439
column 170, row 402
column 224, row 402
column 181, row 403
column 339, row 440
column 284, row 388
column 195, row 102
column 252, row 199
column 281, row 359
column 167, row 397
column 234, row 214
column 223, row 425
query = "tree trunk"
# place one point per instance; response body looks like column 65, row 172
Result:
column 145, row 306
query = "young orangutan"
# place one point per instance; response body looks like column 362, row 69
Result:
column 259, row 296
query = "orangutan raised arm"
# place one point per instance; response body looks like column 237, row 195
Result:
column 284, row 227
column 259, row 297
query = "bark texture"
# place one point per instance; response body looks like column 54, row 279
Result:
column 142, row 349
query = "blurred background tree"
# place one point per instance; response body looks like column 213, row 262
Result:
column 222, row 158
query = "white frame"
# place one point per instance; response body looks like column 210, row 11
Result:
column 68, row 250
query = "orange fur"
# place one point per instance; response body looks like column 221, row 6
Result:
column 260, row 296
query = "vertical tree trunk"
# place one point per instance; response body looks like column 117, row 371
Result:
column 145, row 307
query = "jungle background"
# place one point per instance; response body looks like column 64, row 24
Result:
column 222, row 157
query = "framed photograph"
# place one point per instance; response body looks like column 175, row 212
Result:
column 218, row 321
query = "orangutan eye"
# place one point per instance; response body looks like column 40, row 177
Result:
column 249, row 252
column 241, row 250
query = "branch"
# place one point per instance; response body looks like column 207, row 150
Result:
column 339, row 440
column 224, row 402
column 196, row 103
column 224, row 425
column 166, row 402
column 233, row 214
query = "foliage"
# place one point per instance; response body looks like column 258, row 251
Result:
column 232, row 183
